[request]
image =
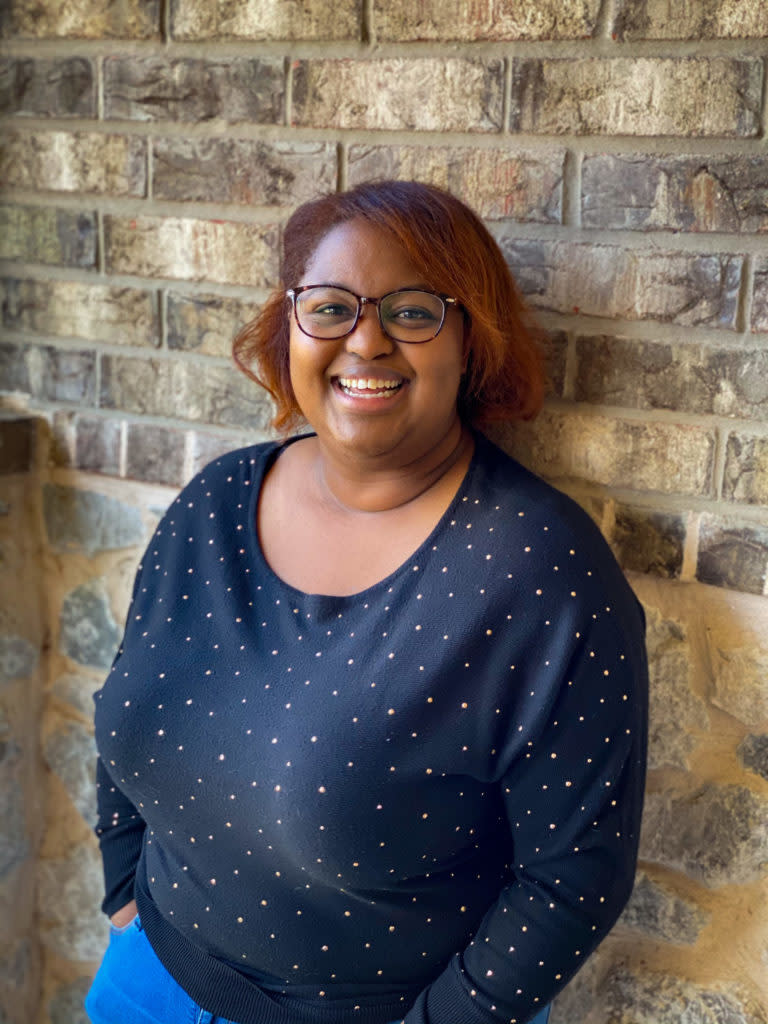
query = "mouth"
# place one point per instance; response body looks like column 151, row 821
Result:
column 369, row 387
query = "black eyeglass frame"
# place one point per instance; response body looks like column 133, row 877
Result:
column 363, row 300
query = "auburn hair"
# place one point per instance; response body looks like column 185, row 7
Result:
column 455, row 254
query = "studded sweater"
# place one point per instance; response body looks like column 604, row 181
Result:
column 419, row 801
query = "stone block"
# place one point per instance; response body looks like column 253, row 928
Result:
column 667, row 375
column 716, row 835
column 649, row 542
column 746, row 468
column 77, row 520
column 74, row 162
column 76, row 691
column 485, row 20
column 267, row 19
column 82, row 19
column 89, row 633
column 205, row 323
column 206, row 447
column 417, row 93
column 71, row 924
column 499, row 184
column 155, row 454
column 66, row 1004
column 753, row 754
column 70, row 753
column 40, row 234
column 47, row 88
column 646, row 192
column 18, row 657
column 17, row 445
column 733, row 555
column 244, row 171
column 605, row 280
column 190, row 89
column 704, row 19
column 555, row 345
column 60, row 375
column 739, row 671
column 214, row 395
column 14, row 375
column 95, row 312
column 97, row 445
column 227, row 252
column 666, row 457
column 677, row 96
column 760, row 297
column 656, row 911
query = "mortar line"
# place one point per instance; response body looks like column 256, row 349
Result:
column 165, row 22
column 101, row 255
column 764, row 120
column 150, row 167
column 122, row 459
column 367, row 24
column 746, row 289
column 571, row 212
column 162, row 312
column 605, row 20
column 99, row 89
column 690, row 546
column 718, row 461
column 506, row 97
column 287, row 90
column 342, row 169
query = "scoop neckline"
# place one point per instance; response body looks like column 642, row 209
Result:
column 265, row 570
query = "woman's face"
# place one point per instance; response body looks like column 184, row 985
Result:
column 415, row 411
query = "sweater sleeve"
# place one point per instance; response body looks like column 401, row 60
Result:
column 120, row 831
column 573, row 799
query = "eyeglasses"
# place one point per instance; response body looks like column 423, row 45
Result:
column 408, row 314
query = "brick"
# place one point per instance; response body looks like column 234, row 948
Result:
column 499, row 184
column 216, row 395
column 97, row 445
column 155, row 454
column 677, row 193
column 418, row 93
column 746, row 468
column 14, row 374
column 82, row 19
column 206, row 447
column 106, row 313
column 760, row 297
column 662, row 375
column 47, row 88
column 183, row 248
column 17, row 445
column 664, row 457
column 206, row 323
column 649, row 542
column 608, row 281
column 48, row 373
column 43, row 234
column 187, row 89
column 74, row 162
column 704, row 19
column 733, row 555
column 689, row 96
column 656, row 910
column 753, row 754
column 555, row 345
column 86, row 521
column 267, row 19
column 88, row 632
column 242, row 171
column 485, row 20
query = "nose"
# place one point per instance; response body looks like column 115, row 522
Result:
column 368, row 340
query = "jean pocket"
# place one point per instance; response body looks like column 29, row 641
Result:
column 115, row 930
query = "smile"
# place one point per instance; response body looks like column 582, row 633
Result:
column 369, row 387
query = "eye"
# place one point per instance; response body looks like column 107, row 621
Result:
column 413, row 309
column 326, row 305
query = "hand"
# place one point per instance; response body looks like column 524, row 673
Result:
column 125, row 915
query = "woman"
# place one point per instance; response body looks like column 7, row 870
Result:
column 373, row 745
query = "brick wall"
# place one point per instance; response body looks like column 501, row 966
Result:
column 152, row 150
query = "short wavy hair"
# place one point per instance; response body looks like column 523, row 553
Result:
column 454, row 253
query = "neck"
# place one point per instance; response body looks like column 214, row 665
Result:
column 371, row 486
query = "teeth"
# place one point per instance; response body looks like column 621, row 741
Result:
column 368, row 384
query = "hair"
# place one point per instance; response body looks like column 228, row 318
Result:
column 455, row 254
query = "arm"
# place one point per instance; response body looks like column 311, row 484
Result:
column 120, row 831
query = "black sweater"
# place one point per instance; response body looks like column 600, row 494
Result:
column 422, row 800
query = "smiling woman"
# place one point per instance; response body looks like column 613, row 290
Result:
column 373, row 746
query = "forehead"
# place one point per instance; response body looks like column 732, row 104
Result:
column 362, row 257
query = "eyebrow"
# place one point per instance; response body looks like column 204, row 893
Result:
column 346, row 287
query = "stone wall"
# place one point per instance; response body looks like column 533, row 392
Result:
column 151, row 151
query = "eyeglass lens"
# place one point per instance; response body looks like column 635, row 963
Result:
column 327, row 312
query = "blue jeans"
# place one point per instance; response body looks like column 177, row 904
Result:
column 132, row 987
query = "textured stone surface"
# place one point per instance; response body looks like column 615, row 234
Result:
column 184, row 390
column 75, row 162
column 89, row 633
column 665, row 457
column 760, row 297
column 78, row 520
column 14, row 845
column 97, row 445
column 66, row 1004
column 58, row 375
column 14, row 375
column 655, row 910
column 660, row 375
column 206, row 447
column 746, row 469
column 70, row 753
column 181, row 248
column 499, row 184
column 700, row 19
column 605, row 280
column 717, row 835
column 733, row 555
column 242, row 171
column 76, row 692
column 421, row 94
column 686, row 96
column 739, row 670
column 188, row 89
column 17, row 444
column 43, row 234
column 753, row 753
column 95, row 312
column 206, row 323
column 18, row 657
column 649, row 542
column 82, row 19
column 679, row 193
column 266, row 19
column 485, row 19
column 47, row 88
column 69, row 888
column 676, row 713
column 155, row 454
